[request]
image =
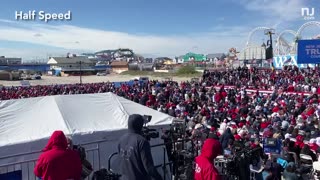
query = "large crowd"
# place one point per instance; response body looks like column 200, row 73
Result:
column 290, row 113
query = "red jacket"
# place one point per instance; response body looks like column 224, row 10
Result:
column 217, row 97
column 310, row 111
column 314, row 146
column 57, row 162
column 264, row 125
column 205, row 169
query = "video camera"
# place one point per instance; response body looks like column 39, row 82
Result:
column 177, row 130
column 147, row 132
column 238, row 165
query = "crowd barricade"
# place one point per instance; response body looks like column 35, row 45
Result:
column 220, row 164
column 95, row 154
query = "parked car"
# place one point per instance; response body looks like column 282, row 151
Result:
column 141, row 79
column 36, row 76
column 26, row 77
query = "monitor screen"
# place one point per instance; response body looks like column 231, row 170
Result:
column 227, row 152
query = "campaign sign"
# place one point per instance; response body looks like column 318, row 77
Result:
column 272, row 145
column 309, row 51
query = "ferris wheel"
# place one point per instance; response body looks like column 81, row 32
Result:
column 305, row 25
column 255, row 30
column 284, row 46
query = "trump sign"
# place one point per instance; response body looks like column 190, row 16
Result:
column 309, row 51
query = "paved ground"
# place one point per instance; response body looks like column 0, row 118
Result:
column 49, row 80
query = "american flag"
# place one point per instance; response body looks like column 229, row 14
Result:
column 287, row 61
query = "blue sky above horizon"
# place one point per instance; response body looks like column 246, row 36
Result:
column 152, row 28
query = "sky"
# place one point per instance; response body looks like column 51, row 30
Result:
column 151, row 28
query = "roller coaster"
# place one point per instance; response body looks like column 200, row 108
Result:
column 282, row 45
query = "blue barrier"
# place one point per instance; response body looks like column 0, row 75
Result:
column 36, row 67
column 130, row 83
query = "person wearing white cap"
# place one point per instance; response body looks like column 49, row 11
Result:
column 318, row 141
column 198, row 126
column 313, row 145
column 223, row 127
column 287, row 136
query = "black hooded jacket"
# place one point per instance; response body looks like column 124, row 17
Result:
column 224, row 139
column 134, row 150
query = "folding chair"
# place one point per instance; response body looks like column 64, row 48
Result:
column 295, row 157
column 306, row 160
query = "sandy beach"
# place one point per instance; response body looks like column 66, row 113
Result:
column 50, row 80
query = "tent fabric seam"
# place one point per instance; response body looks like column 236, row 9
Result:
column 61, row 114
column 120, row 105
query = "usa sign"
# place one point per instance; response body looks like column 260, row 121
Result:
column 280, row 61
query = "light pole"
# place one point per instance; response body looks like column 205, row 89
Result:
column 263, row 51
column 80, row 62
column 269, row 50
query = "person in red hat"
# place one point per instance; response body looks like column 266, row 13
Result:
column 237, row 137
column 205, row 169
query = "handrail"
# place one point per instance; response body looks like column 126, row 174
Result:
column 39, row 151
column 19, row 162
column 26, row 161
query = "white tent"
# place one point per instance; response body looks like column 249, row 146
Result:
column 95, row 121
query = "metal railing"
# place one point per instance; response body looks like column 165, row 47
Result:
column 27, row 166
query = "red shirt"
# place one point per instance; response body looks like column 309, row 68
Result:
column 264, row 125
column 217, row 97
column 290, row 88
column 275, row 109
column 224, row 94
column 314, row 146
column 310, row 111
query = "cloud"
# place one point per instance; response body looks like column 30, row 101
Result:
column 75, row 38
column 40, row 54
column 276, row 10
column 37, row 35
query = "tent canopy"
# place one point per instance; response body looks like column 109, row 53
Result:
column 27, row 120
column 95, row 121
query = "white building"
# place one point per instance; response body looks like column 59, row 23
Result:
column 71, row 64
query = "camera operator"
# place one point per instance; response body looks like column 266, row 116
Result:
column 86, row 165
column 136, row 161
